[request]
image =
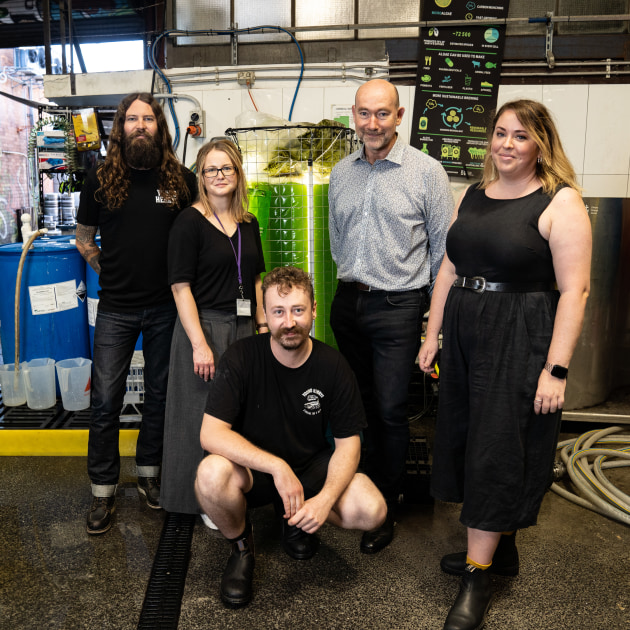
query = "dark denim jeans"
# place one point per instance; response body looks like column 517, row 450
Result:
column 115, row 337
column 379, row 333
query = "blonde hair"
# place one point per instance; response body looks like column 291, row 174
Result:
column 554, row 168
column 239, row 208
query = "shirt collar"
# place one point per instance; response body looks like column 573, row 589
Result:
column 395, row 155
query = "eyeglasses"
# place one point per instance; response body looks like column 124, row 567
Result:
column 212, row 172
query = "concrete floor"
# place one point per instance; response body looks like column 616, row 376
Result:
column 575, row 565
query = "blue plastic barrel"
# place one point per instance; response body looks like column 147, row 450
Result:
column 53, row 302
column 60, row 238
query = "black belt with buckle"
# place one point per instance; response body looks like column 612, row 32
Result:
column 479, row 285
column 360, row 286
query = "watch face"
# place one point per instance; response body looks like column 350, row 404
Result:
column 559, row 372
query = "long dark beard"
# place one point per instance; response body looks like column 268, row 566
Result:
column 142, row 152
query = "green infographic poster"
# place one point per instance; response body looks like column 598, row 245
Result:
column 459, row 70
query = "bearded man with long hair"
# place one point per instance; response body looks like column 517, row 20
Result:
column 133, row 198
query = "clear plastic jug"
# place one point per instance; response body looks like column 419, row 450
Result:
column 75, row 382
column 13, row 392
column 39, row 382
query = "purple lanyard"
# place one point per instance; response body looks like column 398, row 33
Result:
column 236, row 256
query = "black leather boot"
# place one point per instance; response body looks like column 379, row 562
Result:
column 472, row 603
column 99, row 518
column 377, row 539
column 297, row 543
column 149, row 487
column 236, row 583
column 504, row 562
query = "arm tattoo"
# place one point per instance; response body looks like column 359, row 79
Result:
column 87, row 247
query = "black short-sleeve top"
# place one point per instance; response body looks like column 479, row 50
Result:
column 286, row 411
column 204, row 256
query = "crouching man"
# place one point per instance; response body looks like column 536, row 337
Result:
column 272, row 400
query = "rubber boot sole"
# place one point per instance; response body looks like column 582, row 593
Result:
column 96, row 532
column 235, row 603
column 143, row 492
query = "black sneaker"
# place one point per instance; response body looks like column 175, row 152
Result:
column 99, row 518
column 150, row 488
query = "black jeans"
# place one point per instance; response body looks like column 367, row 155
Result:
column 379, row 333
column 115, row 336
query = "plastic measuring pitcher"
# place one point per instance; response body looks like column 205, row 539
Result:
column 12, row 384
column 39, row 382
column 75, row 382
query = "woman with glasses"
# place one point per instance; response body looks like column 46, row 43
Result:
column 215, row 260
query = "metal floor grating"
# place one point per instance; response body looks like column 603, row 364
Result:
column 163, row 597
column 417, row 480
column 56, row 417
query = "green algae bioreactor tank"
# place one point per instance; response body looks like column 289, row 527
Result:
column 287, row 171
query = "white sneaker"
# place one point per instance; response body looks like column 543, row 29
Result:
column 208, row 522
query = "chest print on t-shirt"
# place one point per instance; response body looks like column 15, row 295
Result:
column 164, row 197
column 312, row 405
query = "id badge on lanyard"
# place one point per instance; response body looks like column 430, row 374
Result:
column 243, row 305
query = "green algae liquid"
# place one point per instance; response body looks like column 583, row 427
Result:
column 290, row 237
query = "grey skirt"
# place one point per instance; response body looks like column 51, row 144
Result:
column 185, row 405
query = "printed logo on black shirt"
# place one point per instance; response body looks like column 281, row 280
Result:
column 166, row 199
column 312, row 406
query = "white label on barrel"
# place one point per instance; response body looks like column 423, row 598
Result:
column 92, row 305
column 53, row 298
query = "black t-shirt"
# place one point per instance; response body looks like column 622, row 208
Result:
column 286, row 411
column 201, row 254
column 134, row 241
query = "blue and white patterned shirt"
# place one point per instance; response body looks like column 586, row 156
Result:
column 388, row 221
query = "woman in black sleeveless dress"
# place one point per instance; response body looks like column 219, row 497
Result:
column 508, row 338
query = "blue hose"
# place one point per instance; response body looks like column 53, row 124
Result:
column 153, row 63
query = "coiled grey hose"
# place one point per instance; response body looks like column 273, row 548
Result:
column 594, row 491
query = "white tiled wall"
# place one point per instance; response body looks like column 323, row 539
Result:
column 569, row 104
column 591, row 119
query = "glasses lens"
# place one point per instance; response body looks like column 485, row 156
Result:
column 210, row 172
column 227, row 170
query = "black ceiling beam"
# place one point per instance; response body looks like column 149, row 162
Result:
column 85, row 31
column 517, row 47
column 532, row 47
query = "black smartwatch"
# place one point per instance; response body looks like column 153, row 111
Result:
column 556, row 370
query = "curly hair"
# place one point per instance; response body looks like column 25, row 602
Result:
column 114, row 173
column 287, row 279
column 554, row 167
column 240, row 202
